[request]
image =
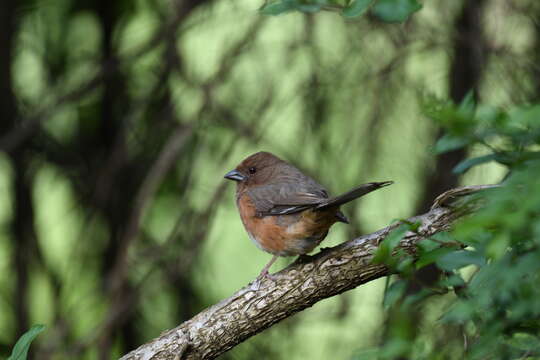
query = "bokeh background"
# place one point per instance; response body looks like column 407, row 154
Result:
column 119, row 119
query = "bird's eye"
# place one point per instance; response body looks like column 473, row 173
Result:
column 252, row 170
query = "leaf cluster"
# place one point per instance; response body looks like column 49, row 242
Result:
column 491, row 278
column 390, row 11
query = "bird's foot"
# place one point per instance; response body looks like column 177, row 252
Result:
column 266, row 274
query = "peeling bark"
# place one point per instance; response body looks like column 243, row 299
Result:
column 259, row 305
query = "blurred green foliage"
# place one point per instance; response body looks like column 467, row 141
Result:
column 494, row 312
column 101, row 89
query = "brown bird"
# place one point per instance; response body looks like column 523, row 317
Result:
column 285, row 212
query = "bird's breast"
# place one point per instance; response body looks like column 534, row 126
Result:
column 285, row 235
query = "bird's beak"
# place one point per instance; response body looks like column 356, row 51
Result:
column 234, row 175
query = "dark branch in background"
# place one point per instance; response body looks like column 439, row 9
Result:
column 299, row 286
column 146, row 192
column 26, row 126
column 138, row 174
column 118, row 275
column 97, row 160
column 125, row 222
column 108, row 156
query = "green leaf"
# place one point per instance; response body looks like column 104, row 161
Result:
column 443, row 237
column 449, row 142
column 459, row 312
column 469, row 163
column 356, row 8
column 526, row 116
column 453, row 280
column 384, row 252
column 20, row 350
column 395, row 10
column 394, row 293
column 432, row 256
column 467, row 106
column 524, row 342
column 308, row 8
column 277, row 8
column 458, row 259
column 435, row 241
column 508, row 158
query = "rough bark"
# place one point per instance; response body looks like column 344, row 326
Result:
column 259, row 305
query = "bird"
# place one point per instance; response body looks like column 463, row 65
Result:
column 284, row 211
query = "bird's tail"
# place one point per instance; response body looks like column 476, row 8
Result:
column 353, row 194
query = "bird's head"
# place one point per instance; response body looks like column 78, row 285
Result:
column 256, row 169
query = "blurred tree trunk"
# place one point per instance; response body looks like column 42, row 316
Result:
column 22, row 223
column 111, row 152
column 466, row 69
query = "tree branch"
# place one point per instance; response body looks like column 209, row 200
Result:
column 259, row 305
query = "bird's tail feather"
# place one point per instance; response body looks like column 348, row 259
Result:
column 353, row 194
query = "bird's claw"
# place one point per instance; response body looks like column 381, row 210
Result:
column 266, row 274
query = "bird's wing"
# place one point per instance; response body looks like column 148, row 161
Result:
column 286, row 198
